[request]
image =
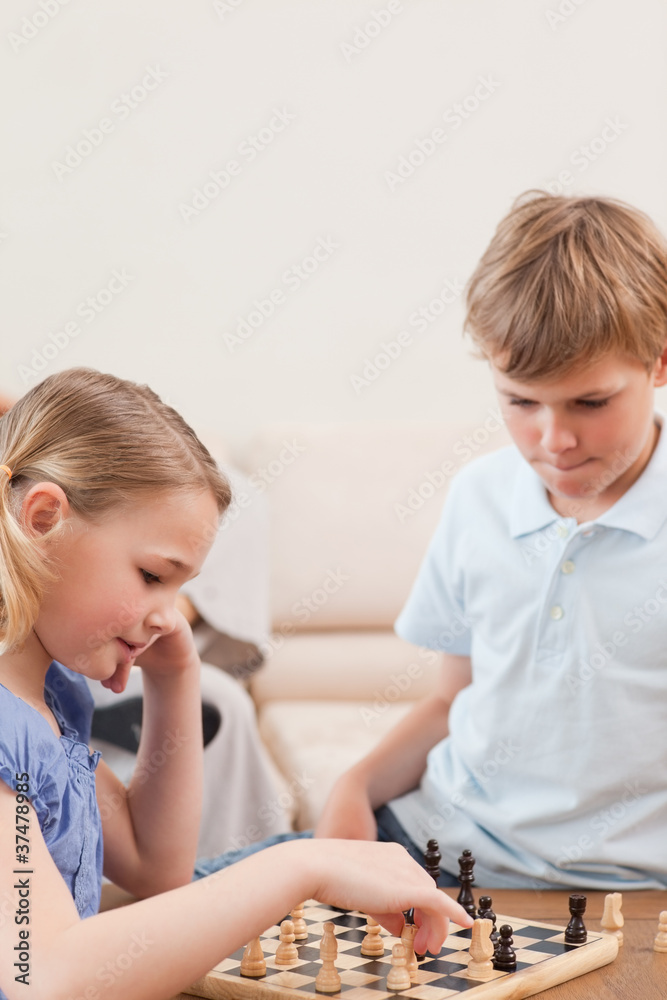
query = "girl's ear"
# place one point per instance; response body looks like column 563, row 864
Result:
column 43, row 506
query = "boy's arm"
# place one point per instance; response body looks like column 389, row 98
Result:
column 397, row 763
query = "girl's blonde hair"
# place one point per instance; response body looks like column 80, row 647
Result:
column 566, row 280
column 108, row 443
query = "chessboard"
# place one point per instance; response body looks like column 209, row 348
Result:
column 543, row 960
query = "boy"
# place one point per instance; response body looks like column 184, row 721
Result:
column 543, row 748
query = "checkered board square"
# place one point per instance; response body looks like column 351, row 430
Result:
column 543, row 960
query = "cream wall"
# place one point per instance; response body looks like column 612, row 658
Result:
column 539, row 81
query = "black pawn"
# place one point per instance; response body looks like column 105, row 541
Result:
column 432, row 859
column 466, row 880
column 486, row 913
column 504, row 959
column 575, row 932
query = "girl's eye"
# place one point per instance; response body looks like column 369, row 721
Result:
column 521, row 402
column 149, row 577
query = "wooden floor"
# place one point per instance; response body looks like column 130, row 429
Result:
column 637, row 974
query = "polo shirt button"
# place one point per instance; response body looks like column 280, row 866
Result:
column 563, row 530
column 567, row 567
column 556, row 612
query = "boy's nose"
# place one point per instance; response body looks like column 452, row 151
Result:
column 557, row 436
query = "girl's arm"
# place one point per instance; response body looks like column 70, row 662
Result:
column 160, row 945
column 151, row 828
column 397, row 763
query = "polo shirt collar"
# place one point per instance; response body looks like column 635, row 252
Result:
column 642, row 509
column 531, row 509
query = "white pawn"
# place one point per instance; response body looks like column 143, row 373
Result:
column 286, row 953
column 660, row 943
column 300, row 925
column 612, row 918
column 372, row 945
column 399, row 977
column 408, row 941
column 328, row 979
column 480, row 965
column 253, row 963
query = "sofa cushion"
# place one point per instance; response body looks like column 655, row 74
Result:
column 314, row 742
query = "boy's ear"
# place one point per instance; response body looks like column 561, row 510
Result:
column 660, row 369
column 43, row 506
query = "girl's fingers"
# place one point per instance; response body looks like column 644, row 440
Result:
column 431, row 936
column 392, row 922
column 432, row 929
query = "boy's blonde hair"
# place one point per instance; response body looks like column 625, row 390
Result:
column 567, row 280
column 108, row 443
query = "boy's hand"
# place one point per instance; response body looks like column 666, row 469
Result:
column 348, row 813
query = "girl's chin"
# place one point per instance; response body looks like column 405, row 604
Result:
column 113, row 684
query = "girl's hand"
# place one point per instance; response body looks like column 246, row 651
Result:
column 383, row 881
column 166, row 655
column 172, row 652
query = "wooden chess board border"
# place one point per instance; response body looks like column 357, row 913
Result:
column 598, row 950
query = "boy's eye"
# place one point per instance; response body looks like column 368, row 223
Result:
column 149, row 577
column 593, row 404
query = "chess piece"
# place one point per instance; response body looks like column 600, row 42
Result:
column 328, row 979
column 372, row 945
column 485, row 912
column 253, row 963
column 399, row 977
column 408, row 942
column 410, row 921
column 575, row 932
column 432, row 859
column 480, row 964
column 504, row 959
column 286, row 953
column 466, row 880
column 612, row 918
column 300, row 926
column 660, row 943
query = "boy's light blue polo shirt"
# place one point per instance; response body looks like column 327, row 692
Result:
column 555, row 769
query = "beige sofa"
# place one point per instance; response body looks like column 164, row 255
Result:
column 352, row 509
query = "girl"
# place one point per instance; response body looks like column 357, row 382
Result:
column 108, row 504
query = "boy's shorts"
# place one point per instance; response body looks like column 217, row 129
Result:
column 389, row 831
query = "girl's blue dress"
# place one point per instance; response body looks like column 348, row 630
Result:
column 61, row 778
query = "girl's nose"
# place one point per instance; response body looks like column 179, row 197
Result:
column 161, row 618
